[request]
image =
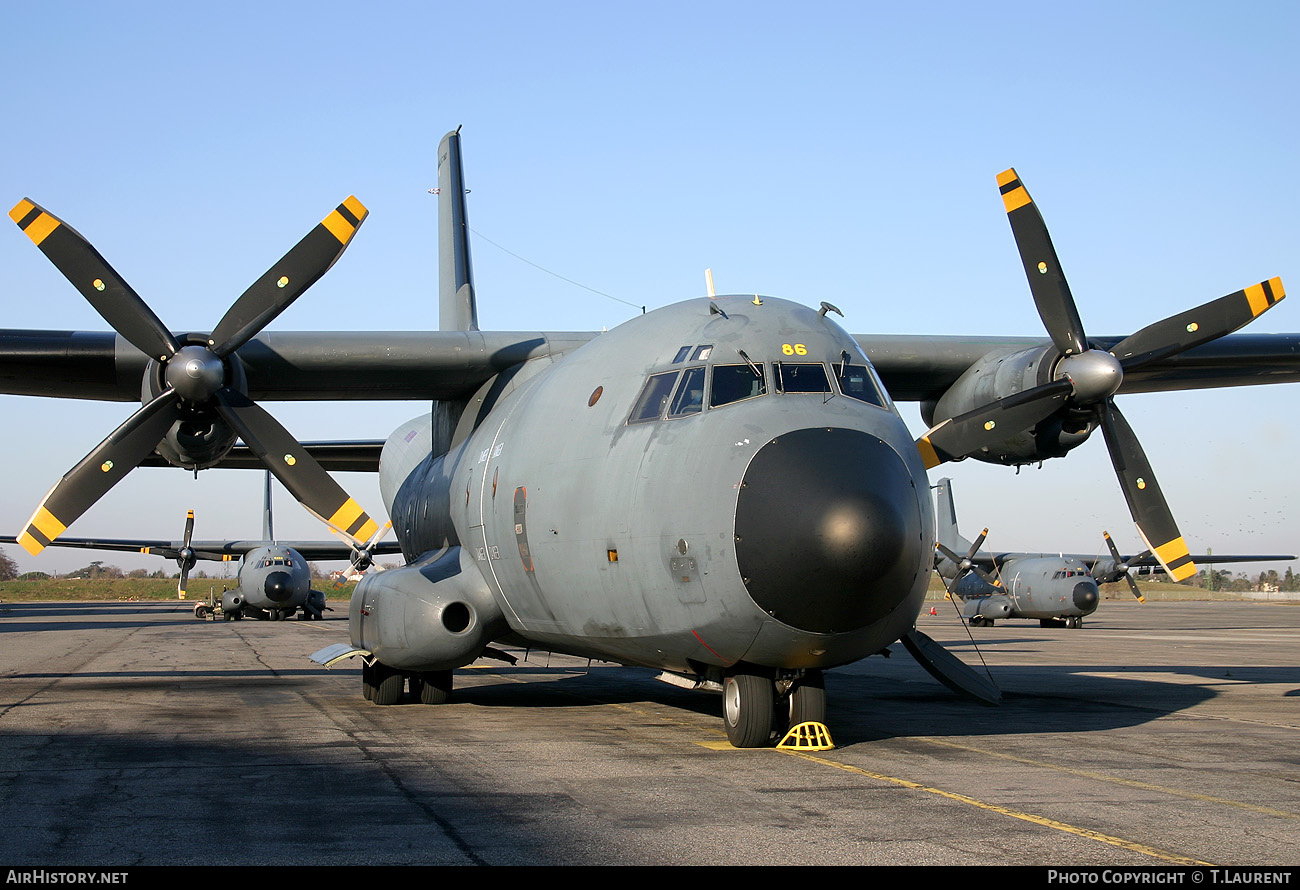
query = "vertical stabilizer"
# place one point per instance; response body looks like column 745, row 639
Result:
column 268, row 531
column 945, row 514
column 457, row 310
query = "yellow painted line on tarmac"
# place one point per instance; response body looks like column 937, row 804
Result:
column 1116, row 780
column 1006, row 811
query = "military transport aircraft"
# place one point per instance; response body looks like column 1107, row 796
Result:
column 1059, row 589
column 721, row 489
column 274, row 580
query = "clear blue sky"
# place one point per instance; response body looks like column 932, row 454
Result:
column 841, row 152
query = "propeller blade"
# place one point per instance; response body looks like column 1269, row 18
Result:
column 951, row 555
column 991, row 424
column 91, row 274
column 1207, row 322
column 1042, row 268
column 295, row 467
column 185, row 558
column 1146, row 503
column 99, row 471
column 285, row 281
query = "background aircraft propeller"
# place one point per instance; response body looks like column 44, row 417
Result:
column 1087, row 377
column 966, row 563
column 194, row 381
column 1119, row 568
column 185, row 557
column 363, row 556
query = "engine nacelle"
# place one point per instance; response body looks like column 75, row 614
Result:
column 999, row 375
column 200, row 438
column 435, row 614
column 992, row 608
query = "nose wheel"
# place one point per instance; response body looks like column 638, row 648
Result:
column 748, row 705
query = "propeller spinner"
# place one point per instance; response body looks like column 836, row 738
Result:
column 195, row 383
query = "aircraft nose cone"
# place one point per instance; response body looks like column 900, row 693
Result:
column 1086, row 596
column 277, row 586
column 828, row 529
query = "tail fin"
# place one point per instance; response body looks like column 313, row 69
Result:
column 268, row 532
column 457, row 310
column 946, row 518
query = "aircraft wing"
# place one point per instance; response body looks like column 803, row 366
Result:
column 991, row 561
column 407, row 365
column 351, row 456
column 217, row 551
column 1135, row 562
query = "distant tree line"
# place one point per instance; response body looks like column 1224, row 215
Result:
column 1222, row 579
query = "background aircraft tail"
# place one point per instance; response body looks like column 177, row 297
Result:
column 268, row 528
column 945, row 513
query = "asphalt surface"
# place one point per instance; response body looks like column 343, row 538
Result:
column 133, row 734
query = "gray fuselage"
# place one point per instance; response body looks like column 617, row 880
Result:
column 273, row 577
column 1043, row 587
column 649, row 499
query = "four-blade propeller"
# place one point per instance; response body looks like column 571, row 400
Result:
column 1086, row 377
column 362, row 556
column 965, row 563
column 1119, row 568
column 196, row 382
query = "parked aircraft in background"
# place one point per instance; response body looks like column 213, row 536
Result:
column 274, row 580
column 1058, row 589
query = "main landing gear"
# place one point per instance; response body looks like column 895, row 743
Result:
column 384, row 685
column 754, row 705
column 1073, row 622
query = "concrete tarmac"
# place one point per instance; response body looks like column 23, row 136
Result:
column 133, row 734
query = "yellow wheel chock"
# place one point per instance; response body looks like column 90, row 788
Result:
column 807, row 737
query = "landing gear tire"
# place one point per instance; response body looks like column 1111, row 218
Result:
column 748, row 704
column 981, row 621
column 435, row 687
column 367, row 681
column 389, row 684
column 1073, row 622
column 807, row 699
column 804, row 703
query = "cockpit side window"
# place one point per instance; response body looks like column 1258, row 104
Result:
column 690, row 393
column 802, row 378
column 859, row 383
column 732, row 383
column 654, row 396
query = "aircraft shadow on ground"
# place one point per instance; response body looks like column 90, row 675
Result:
column 872, row 701
column 140, row 800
